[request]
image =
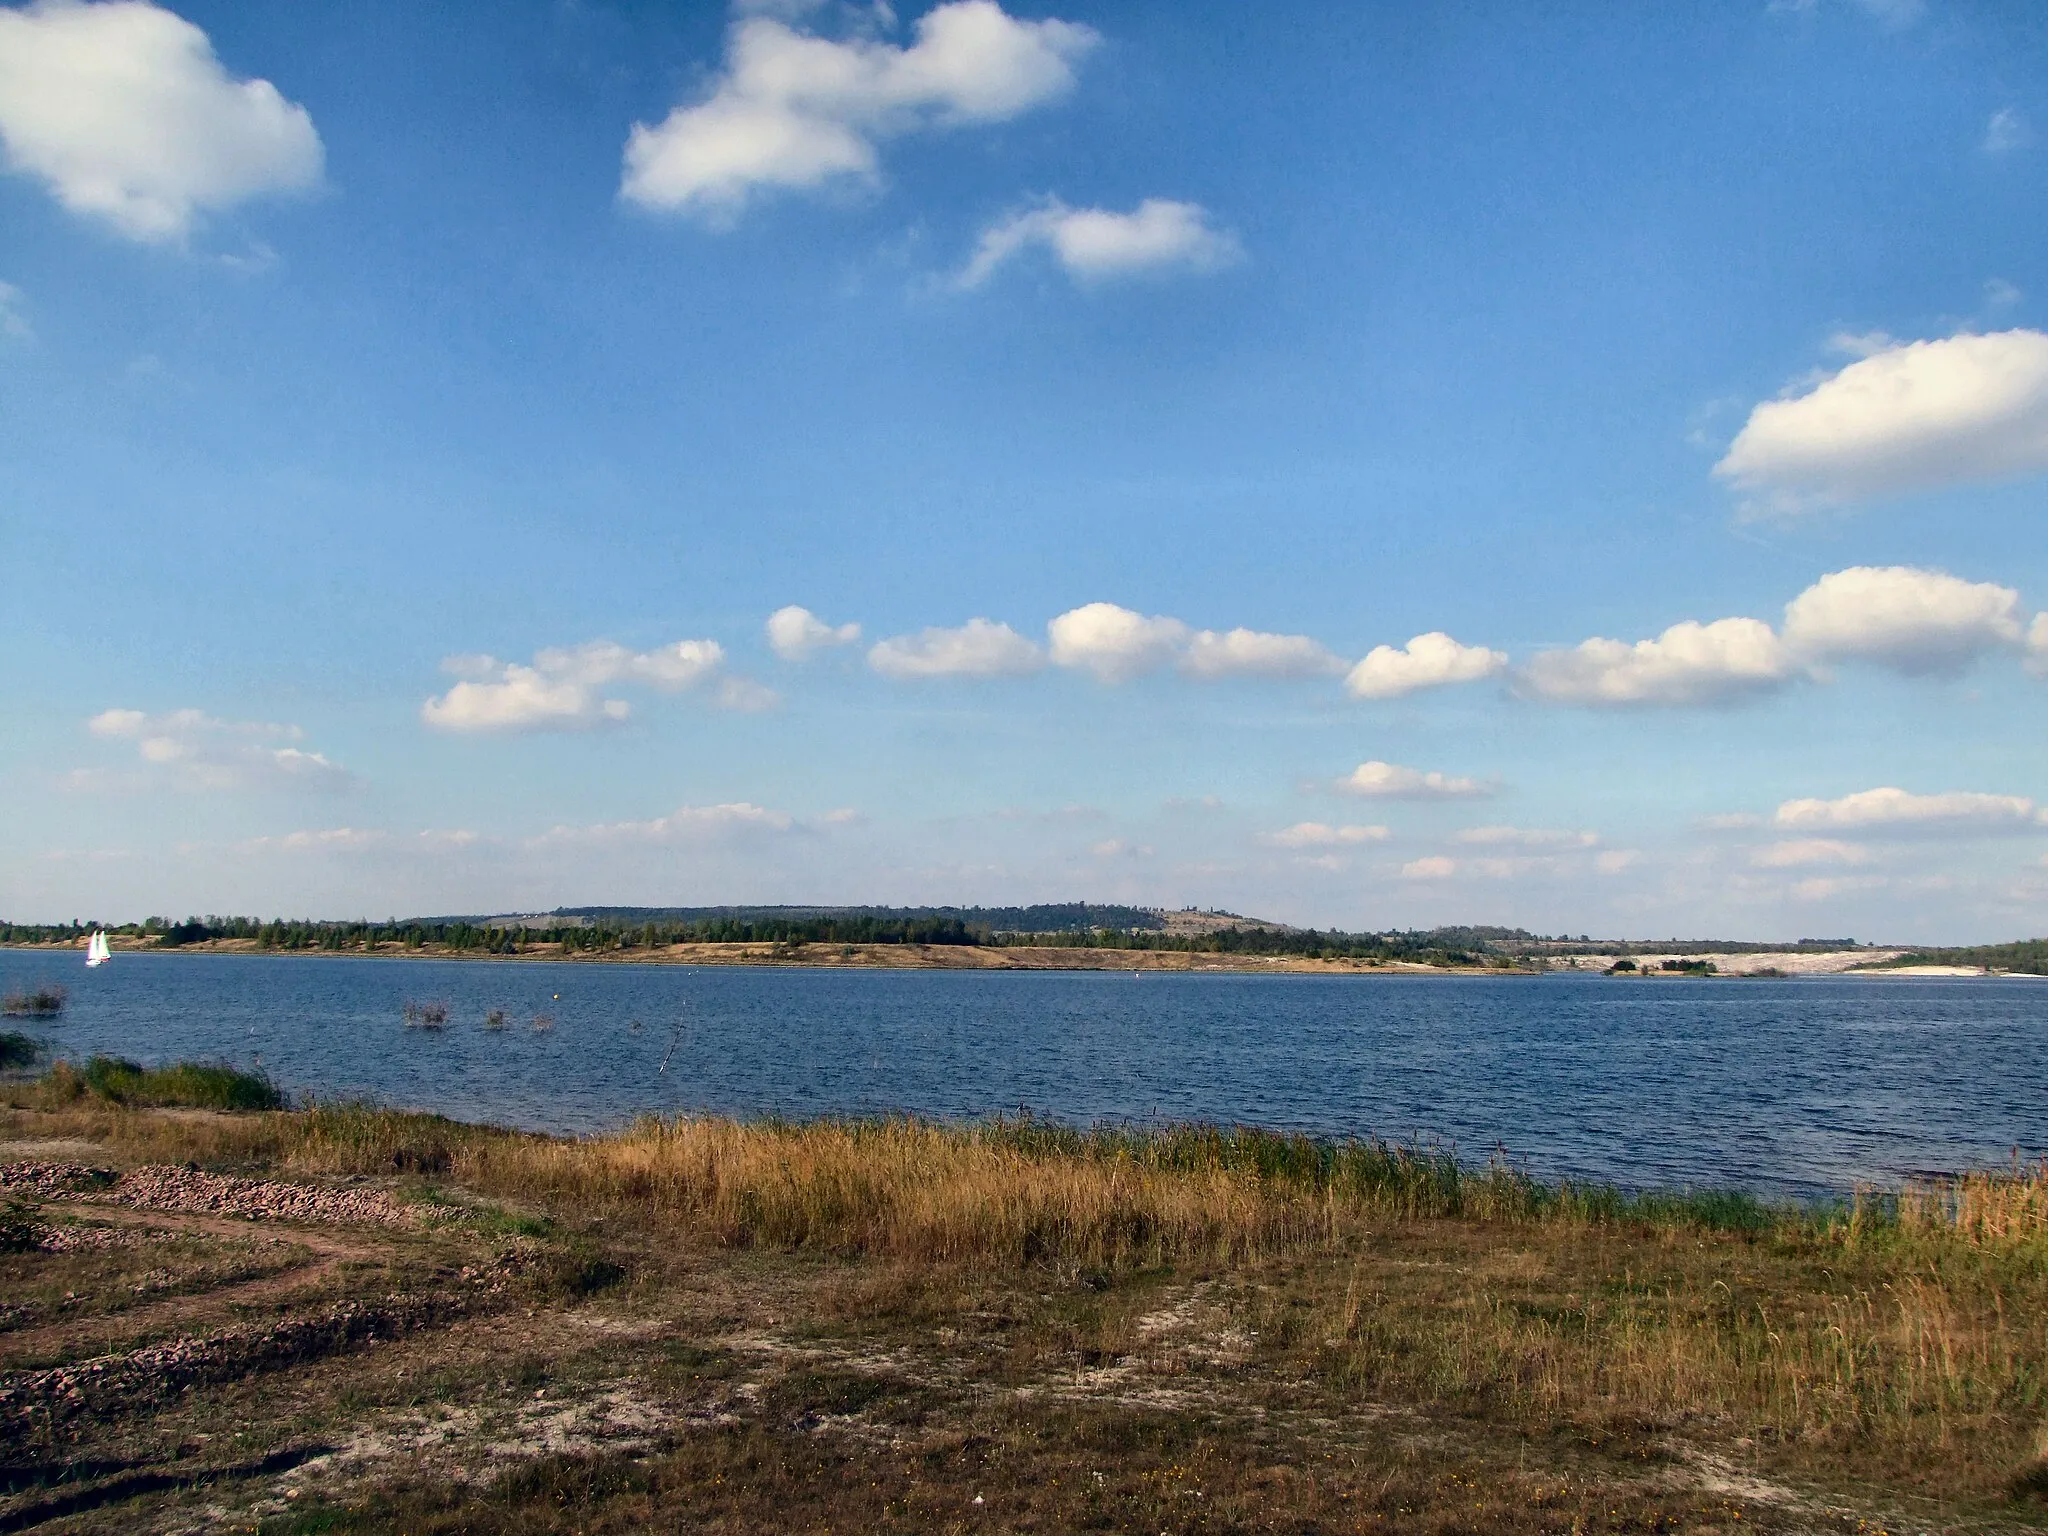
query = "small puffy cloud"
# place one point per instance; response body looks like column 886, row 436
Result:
column 1097, row 244
column 124, row 112
column 1114, row 643
column 1433, row 867
column 561, row 689
column 1825, row 888
column 797, row 634
column 978, row 648
column 1895, row 810
column 1616, row 860
column 520, row 698
column 1798, row 853
column 795, row 110
column 195, row 751
column 1118, row 644
column 1427, row 661
column 1315, row 834
column 1525, row 837
column 1120, row 848
column 1914, row 416
column 745, row 696
column 599, row 662
column 1389, row 781
column 1256, row 653
column 1914, row 620
column 133, row 722
column 2000, row 294
column 688, row 824
column 1690, row 663
column 2008, row 130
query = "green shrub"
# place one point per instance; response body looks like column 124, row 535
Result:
column 20, row 1229
column 185, row 1085
column 16, row 1050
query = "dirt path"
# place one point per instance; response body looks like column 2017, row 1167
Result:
column 194, row 1310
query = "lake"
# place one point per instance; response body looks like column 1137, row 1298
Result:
column 1787, row 1087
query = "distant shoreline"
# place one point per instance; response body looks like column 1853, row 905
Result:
column 972, row 957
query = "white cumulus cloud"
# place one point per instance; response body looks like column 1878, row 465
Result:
column 124, row 112
column 1118, row 644
column 1892, row 809
column 1114, row 643
column 792, row 109
column 744, row 696
column 1097, row 244
column 1431, row 867
column 1120, row 848
column 1427, row 661
column 1914, row 620
column 1256, row 653
column 1690, row 663
column 978, row 648
column 562, row 689
column 1316, row 834
column 1912, row 416
column 1826, row 889
column 797, row 634
column 1389, row 781
column 193, row 750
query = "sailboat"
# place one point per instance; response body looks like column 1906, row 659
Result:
column 96, row 951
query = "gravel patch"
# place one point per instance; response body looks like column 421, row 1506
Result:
column 164, row 1188
column 52, row 1180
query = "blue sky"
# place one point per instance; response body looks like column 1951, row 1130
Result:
column 410, row 418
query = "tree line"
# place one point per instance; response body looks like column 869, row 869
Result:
column 572, row 935
column 2027, row 956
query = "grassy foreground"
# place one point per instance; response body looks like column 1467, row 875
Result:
column 905, row 1326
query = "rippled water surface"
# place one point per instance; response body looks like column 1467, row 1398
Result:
column 1793, row 1086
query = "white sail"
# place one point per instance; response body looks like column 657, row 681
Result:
column 96, row 951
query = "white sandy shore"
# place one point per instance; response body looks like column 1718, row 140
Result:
column 1823, row 963
column 1819, row 963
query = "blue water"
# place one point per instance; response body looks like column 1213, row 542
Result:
column 1785, row 1087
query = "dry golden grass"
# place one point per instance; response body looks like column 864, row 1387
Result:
column 1908, row 1330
